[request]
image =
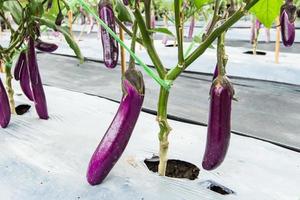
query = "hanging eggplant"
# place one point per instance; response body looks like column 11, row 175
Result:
column 36, row 83
column 218, row 132
column 109, row 44
column 45, row 46
column 287, row 23
column 4, row 107
column 19, row 65
column 118, row 134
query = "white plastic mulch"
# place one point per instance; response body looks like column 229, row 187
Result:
column 48, row 159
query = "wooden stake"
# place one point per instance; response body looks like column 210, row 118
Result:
column 277, row 46
column 123, row 56
column 70, row 19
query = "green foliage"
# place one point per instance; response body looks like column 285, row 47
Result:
column 68, row 36
column 123, row 13
column 162, row 30
column 15, row 10
column 266, row 11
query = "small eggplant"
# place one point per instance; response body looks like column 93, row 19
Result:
column 287, row 29
column 126, row 2
column 118, row 134
column 109, row 44
column 215, row 75
column 45, row 46
column 25, row 81
column 19, row 65
column 36, row 83
column 4, row 107
column 218, row 131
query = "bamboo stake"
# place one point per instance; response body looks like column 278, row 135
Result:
column 123, row 58
column 277, row 46
column 70, row 19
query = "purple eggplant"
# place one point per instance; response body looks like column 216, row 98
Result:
column 287, row 29
column 45, row 46
column 126, row 2
column 25, row 81
column 218, row 132
column 118, row 134
column 215, row 75
column 36, row 83
column 19, row 65
column 191, row 28
column 110, row 45
column 4, row 107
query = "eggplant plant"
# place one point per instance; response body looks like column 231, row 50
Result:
column 28, row 18
column 225, row 14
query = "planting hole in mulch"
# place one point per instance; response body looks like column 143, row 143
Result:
column 260, row 53
column 175, row 168
column 22, row 109
column 171, row 45
column 216, row 187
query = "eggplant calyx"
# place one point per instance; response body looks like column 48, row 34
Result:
column 135, row 78
column 223, row 82
column 290, row 10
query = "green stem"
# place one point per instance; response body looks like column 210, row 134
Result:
column 148, row 43
column 164, row 131
column 175, row 72
column 9, row 88
column 179, row 30
column 133, row 41
column 147, row 4
column 128, row 31
column 221, row 54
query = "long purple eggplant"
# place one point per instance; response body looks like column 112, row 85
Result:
column 4, row 107
column 218, row 132
column 118, row 134
column 109, row 44
column 19, row 65
column 191, row 28
column 25, row 81
column 45, row 46
column 287, row 29
column 36, row 83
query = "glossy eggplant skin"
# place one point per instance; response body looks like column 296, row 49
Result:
column 287, row 29
column 4, row 107
column 45, row 46
column 19, row 65
column 118, row 134
column 219, row 125
column 109, row 44
column 25, row 81
column 36, row 83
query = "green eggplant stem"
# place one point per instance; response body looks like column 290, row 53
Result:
column 165, row 129
column 9, row 88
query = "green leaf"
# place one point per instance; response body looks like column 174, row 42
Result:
column 161, row 30
column 15, row 10
column 123, row 13
column 200, row 3
column 65, row 31
column 266, row 11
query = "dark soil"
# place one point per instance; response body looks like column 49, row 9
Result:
column 260, row 53
column 175, row 168
column 218, row 188
column 22, row 109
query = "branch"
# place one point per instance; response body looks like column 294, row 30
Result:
column 175, row 72
column 148, row 43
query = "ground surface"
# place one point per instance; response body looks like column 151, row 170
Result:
column 48, row 159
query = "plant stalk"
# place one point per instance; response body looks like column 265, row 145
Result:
column 164, row 131
column 9, row 88
column 179, row 30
